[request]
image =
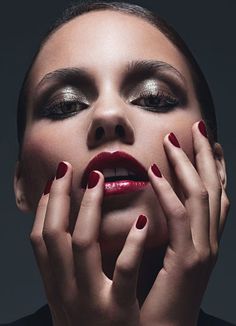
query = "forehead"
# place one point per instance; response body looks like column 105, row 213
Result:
column 104, row 41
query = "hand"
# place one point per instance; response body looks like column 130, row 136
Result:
column 194, row 226
column 78, row 291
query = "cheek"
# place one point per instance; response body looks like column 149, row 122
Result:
column 42, row 151
column 180, row 123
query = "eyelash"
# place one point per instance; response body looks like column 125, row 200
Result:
column 59, row 110
column 165, row 102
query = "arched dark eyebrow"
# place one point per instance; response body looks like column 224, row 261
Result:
column 147, row 68
column 134, row 70
column 71, row 75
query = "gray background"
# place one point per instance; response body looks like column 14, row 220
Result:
column 209, row 29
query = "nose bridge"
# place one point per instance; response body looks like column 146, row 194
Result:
column 109, row 107
column 109, row 119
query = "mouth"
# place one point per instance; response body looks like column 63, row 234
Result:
column 122, row 172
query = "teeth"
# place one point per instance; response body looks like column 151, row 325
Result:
column 117, row 172
column 108, row 173
column 121, row 172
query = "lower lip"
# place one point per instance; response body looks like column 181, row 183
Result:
column 123, row 187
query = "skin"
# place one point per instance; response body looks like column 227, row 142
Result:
column 185, row 217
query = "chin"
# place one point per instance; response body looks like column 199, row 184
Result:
column 117, row 222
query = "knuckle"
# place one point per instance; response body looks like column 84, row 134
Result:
column 36, row 239
column 226, row 202
column 203, row 194
column 204, row 256
column 198, row 260
column 125, row 269
column 81, row 243
column 50, row 234
column 180, row 213
column 87, row 201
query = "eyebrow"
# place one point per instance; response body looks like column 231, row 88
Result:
column 71, row 75
column 146, row 68
column 134, row 72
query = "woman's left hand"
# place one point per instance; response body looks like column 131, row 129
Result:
column 195, row 225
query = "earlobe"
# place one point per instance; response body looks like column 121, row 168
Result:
column 220, row 163
column 19, row 189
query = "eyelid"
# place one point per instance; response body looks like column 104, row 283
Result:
column 162, row 77
column 153, row 86
column 59, row 95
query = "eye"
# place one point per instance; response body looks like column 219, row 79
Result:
column 156, row 102
column 63, row 109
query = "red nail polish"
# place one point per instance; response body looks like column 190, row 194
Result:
column 173, row 140
column 156, row 170
column 93, row 179
column 61, row 170
column 202, row 128
column 141, row 222
column 48, row 186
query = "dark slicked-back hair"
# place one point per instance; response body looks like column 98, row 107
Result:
column 200, row 84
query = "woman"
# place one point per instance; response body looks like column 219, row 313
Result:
column 122, row 130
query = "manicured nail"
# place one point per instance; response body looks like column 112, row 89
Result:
column 61, row 170
column 93, row 179
column 156, row 170
column 202, row 128
column 141, row 222
column 48, row 186
column 173, row 140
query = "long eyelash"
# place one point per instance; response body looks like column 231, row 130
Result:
column 171, row 101
column 50, row 110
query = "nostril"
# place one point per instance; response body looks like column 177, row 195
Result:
column 120, row 131
column 99, row 133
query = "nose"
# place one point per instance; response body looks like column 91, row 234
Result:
column 109, row 123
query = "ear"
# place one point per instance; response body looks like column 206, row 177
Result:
column 220, row 163
column 19, row 189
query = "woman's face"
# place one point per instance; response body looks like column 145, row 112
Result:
column 110, row 62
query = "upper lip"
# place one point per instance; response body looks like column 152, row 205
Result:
column 111, row 160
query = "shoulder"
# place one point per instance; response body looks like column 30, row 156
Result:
column 40, row 317
column 208, row 320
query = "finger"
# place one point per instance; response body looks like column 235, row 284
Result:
column 87, row 255
column 38, row 245
column 196, row 196
column 206, row 167
column 55, row 231
column 127, row 266
column 175, row 212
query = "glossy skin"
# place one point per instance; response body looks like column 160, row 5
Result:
column 104, row 53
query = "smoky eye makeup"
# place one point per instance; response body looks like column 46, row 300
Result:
column 154, row 85
column 63, row 93
column 62, row 103
column 155, row 95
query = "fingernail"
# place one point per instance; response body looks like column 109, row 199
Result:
column 156, row 170
column 48, row 186
column 93, row 179
column 173, row 140
column 61, row 170
column 141, row 222
column 202, row 128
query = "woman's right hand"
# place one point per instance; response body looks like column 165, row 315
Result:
column 78, row 291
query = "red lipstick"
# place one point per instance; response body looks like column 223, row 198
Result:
column 122, row 172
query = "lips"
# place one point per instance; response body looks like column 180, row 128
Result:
column 118, row 159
